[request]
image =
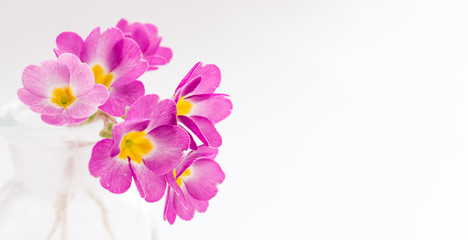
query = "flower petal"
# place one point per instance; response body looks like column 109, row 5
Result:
column 104, row 48
column 61, row 119
column 149, row 107
column 173, row 184
column 131, row 66
column 210, row 79
column 86, row 105
column 122, row 97
column 203, row 129
column 161, row 57
column 170, row 143
column 193, row 144
column 41, row 105
column 154, row 62
column 141, row 36
column 198, row 205
column 150, row 185
column 142, row 107
column 191, row 85
column 69, row 42
column 114, row 173
column 164, row 52
column 42, row 80
column 122, row 25
column 169, row 211
column 146, row 36
column 184, row 212
column 81, row 76
column 152, row 31
column 119, row 130
column 205, row 174
column 201, row 152
column 187, row 77
column 214, row 107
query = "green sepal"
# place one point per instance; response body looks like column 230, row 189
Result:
column 107, row 131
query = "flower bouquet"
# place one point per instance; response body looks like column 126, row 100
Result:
column 166, row 146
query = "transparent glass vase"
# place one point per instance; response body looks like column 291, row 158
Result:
column 52, row 194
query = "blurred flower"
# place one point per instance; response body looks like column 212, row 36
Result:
column 115, row 61
column 146, row 35
column 192, row 184
column 62, row 91
column 198, row 107
column 146, row 146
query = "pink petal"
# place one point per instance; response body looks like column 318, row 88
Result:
column 152, row 29
column 81, row 76
column 141, row 36
column 201, row 152
column 162, row 57
column 149, row 107
column 155, row 40
column 186, row 79
column 165, row 53
column 155, row 61
column 184, row 212
column 198, row 205
column 193, row 144
column 190, row 86
column 151, row 68
column 169, row 211
column 146, row 36
column 174, row 206
column 114, row 173
column 104, row 48
column 170, row 143
column 131, row 66
column 150, row 185
column 41, row 105
column 173, row 184
column 143, row 107
column 42, row 80
column 203, row 129
column 205, row 174
column 69, row 42
column 210, row 80
column 122, row 97
column 214, row 107
column 122, row 25
column 86, row 105
column 123, row 128
column 61, row 119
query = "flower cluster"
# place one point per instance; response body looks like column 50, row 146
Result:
column 164, row 145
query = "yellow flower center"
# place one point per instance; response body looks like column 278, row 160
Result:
column 186, row 173
column 101, row 77
column 63, row 97
column 134, row 145
column 183, row 106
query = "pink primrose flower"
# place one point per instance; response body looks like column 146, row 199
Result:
column 198, row 107
column 145, row 147
column 63, row 91
column 115, row 61
column 146, row 35
column 192, row 184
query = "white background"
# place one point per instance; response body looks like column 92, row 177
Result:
column 350, row 120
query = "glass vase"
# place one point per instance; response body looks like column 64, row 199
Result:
column 52, row 194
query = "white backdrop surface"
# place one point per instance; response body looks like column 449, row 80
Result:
column 350, row 119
